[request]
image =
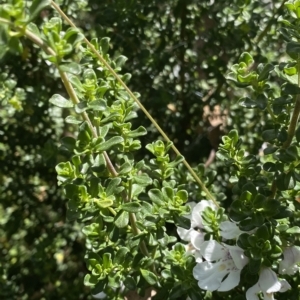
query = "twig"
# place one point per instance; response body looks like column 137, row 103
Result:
column 103, row 61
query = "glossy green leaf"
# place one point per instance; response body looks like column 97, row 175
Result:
column 150, row 277
column 293, row 50
column 60, row 101
column 284, row 212
column 72, row 68
column 81, row 107
column 269, row 135
column 254, row 266
column 286, row 181
column 130, row 283
column 132, row 207
column 121, row 219
column 98, row 105
column 137, row 132
column 294, row 230
column 73, row 36
column 90, row 280
column 243, row 241
column 290, row 71
column 15, row 45
column 104, row 45
column 182, row 221
column 258, row 219
column 293, row 79
column 270, row 167
column 265, row 72
column 109, row 143
column 247, row 58
column 263, row 233
column 126, row 77
column 290, row 89
column 90, row 75
column 183, row 195
column 247, row 225
column 34, row 29
column 104, row 203
column 234, row 136
column 136, row 189
column 142, row 179
column 262, row 101
column 112, row 186
column 73, row 120
column 91, row 230
column 125, row 168
column 120, row 61
column 76, row 82
column 107, row 261
column 270, row 149
column 156, row 196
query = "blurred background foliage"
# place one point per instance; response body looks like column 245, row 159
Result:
column 178, row 53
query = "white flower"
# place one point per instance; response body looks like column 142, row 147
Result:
column 221, row 261
column 196, row 219
column 229, row 230
column 190, row 250
column 268, row 283
column 195, row 239
column 100, row 295
column 185, row 234
column 289, row 263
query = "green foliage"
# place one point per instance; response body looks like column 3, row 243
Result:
column 125, row 189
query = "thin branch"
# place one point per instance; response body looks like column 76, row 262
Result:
column 103, row 61
column 293, row 123
column 70, row 90
column 292, row 126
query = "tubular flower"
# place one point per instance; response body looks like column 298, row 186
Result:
column 195, row 239
column 268, row 284
column 221, row 261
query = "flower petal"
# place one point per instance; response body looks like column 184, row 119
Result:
column 100, row 295
column 185, row 234
column 252, row 292
column 191, row 205
column 291, row 258
column 197, row 239
column 212, row 250
column 229, row 230
column 284, row 286
column 208, row 275
column 198, row 256
column 231, row 281
column 238, row 256
column 190, row 250
column 268, row 281
column 269, row 296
